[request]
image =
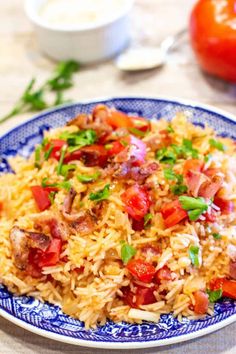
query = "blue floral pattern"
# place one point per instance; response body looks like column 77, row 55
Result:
column 50, row 318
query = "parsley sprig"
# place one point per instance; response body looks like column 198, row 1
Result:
column 174, row 152
column 35, row 99
column 100, row 195
column 179, row 188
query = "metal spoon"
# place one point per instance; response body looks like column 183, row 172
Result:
column 144, row 58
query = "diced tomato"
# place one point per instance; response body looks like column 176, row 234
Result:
column 52, row 255
column 136, row 202
column 142, row 296
column 56, row 145
column 226, row 206
column 141, row 123
column 1, row 206
column 228, row 287
column 41, row 197
column 201, row 302
column 115, row 148
column 163, row 274
column 193, row 165
column 141, row 270
column 173, row 213
column 119, row 119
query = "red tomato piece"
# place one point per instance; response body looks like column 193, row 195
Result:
column 201, row 302
column 226, row 206
column 173, row 213
column 136, row 202
column 192, row 165
column 141, row 270
column 163, row 274
column 56, row 145
column 41, row 197
column 52, row 255
column 142, row 296
column 119, row 119
column 213, row 37
column 228, row 287
column 138, row 225
column 141, row 123
column 115, row 148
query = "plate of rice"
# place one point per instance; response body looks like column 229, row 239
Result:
column 118, row 222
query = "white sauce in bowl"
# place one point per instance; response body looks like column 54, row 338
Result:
column 81, row 13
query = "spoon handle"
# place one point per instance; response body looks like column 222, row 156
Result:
column 168, row 43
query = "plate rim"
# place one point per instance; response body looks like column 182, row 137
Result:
column 119, row 345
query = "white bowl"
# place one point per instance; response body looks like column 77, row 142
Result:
column 86, row 44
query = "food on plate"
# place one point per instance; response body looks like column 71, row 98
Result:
column 213, row 37
column 116, row 216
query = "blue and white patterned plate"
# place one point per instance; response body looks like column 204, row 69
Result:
column 48, row 320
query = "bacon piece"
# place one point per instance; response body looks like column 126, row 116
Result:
column 194, row 181
column 208, row 189
column 84, row 224
column 51, row 223
column 68, row 201
column 22, row 241
column 139, row 174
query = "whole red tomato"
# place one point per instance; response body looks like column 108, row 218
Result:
column 213, row 37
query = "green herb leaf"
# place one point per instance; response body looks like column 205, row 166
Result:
column 62, row 156
column 194, row 255
column 190, row 203
column 65, row 184
column 170, row 129
column 217, row 145
column 101, row 195
column 127, row 252
column 169, row 174
column 147, row 218
column 207, row 157
column 214, row 295
column 62, row 78
column 79, row 139
column 87, row 178
column 216, row 236
column 37, row 156
column 124, row 143
column 178, row 189
column 165, row 155
column 188, row 150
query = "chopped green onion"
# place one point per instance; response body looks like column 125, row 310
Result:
column 194, row 255
column 45, row 141
column 214, row 295
column 137, row 132
column 147, row 218
column 65, row 169
column 217, row 145
column 87, row 178
column 216, row 236
column 65, row 184
column 190, row 203
column 100, row 195
column 124, row 143
column 48, row 152
column 37, row 156
column 127, row 252
column 51, row 197
column 62, row 156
